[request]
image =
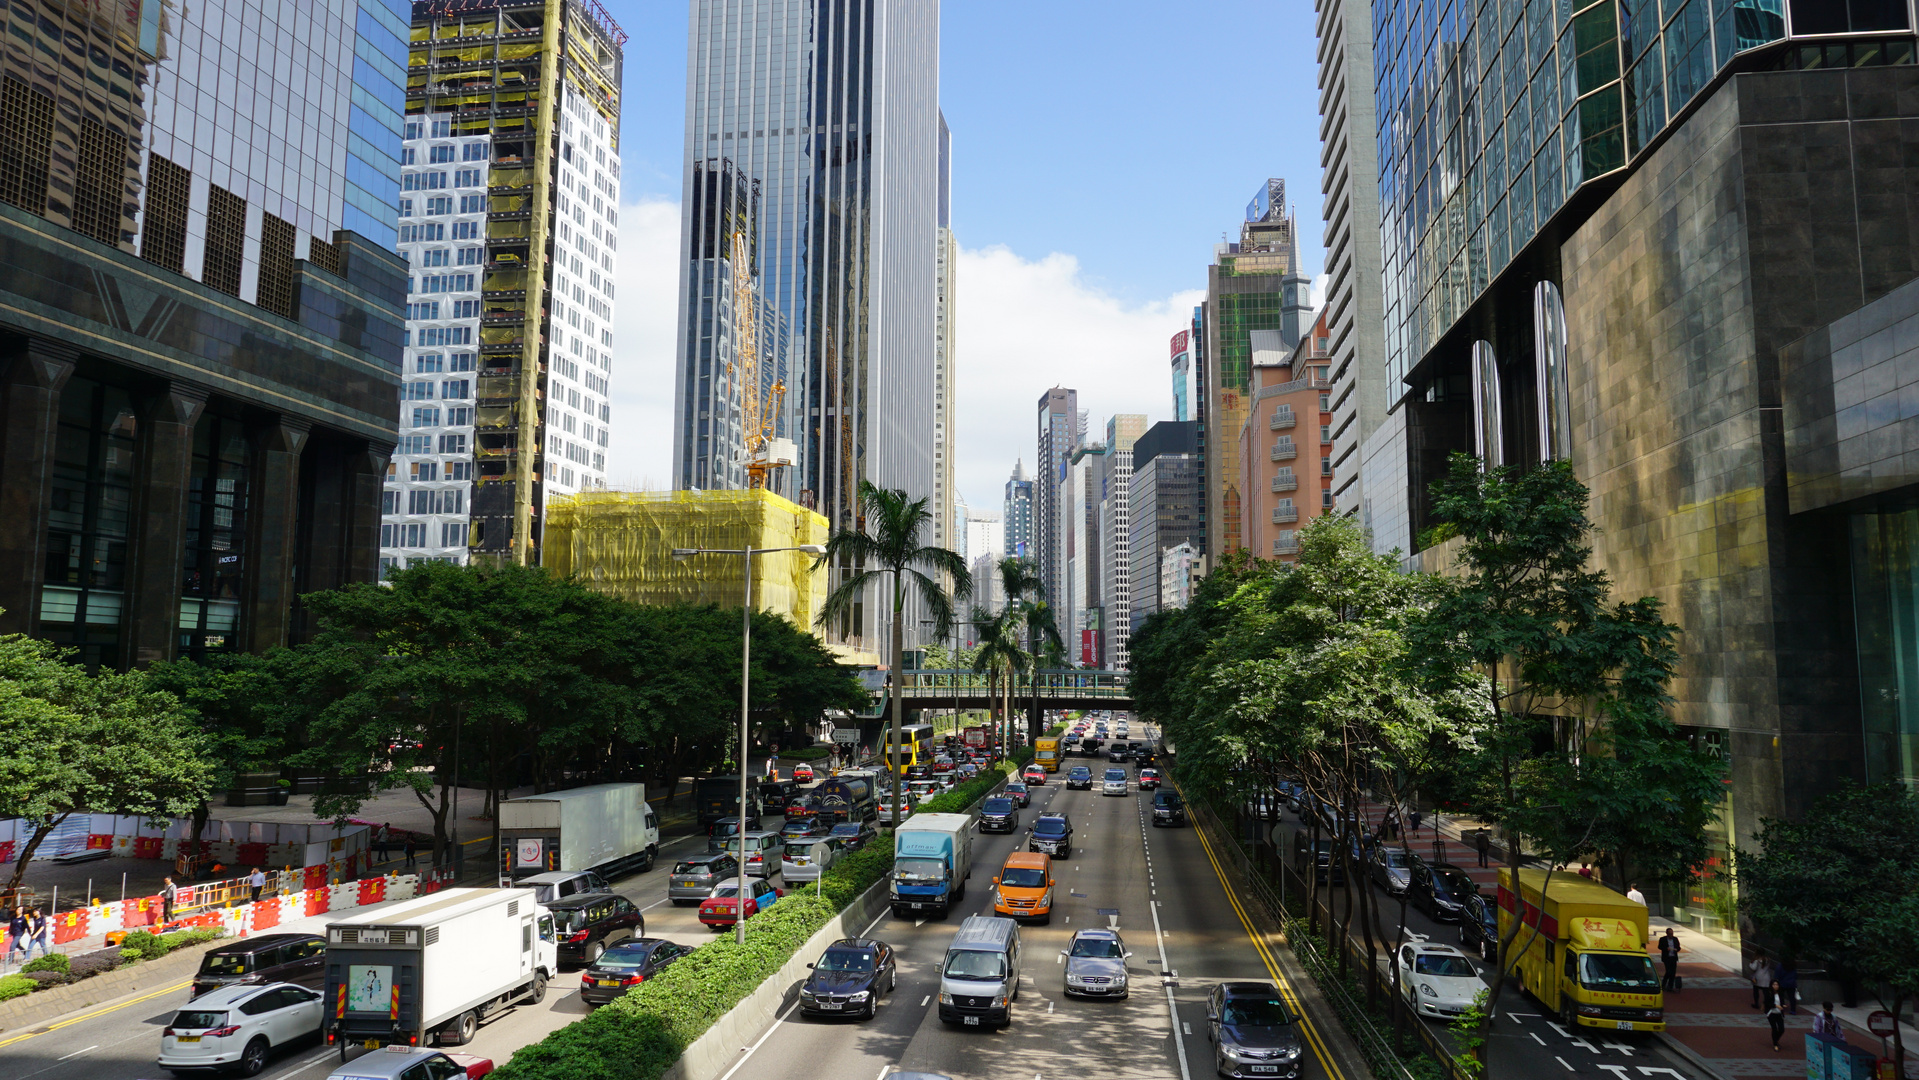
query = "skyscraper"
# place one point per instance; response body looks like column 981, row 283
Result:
column 509, row 210
column 202, row 317
column 1253, row 284
column 812, row 153
column 1350, row 216
column 1182, row 350
column 1058, row 435
column 946, row 332
column 1018, row 514
column 1165, row 499
column 1115, row 539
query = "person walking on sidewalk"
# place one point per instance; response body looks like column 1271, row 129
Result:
column 168, row 893
column 17, row 932
column 257, row 882
column 1412, row 820
column 1669, row 950
column 1633, row 894
column 1762, row 975
column 1483, row 842
column 40, row 933
column 1827, row 1026
column 412, row 849
column 1789, row 987
column 1775, row 1016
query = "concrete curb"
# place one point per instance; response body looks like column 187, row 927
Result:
column 1692, row 1056
column 713, row 1053
column 147, row 975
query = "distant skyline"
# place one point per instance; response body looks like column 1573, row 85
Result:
column 1090, row 185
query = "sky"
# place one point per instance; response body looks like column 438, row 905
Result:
column 1100, row 151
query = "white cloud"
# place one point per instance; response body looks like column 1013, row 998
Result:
column 640, row 448
column 1026, row 326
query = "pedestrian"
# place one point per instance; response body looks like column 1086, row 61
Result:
column 1586, row 870
column 1827, row 1026
column 1633, row 894
column 1789, row 987
column 380, row 840
column 1669, row 950
column 1762, row 974
column 257, row 882
column 1483, row 840
column 42, row 933
column 168, row 893
column 412, row 849
column 17, row 932
column 1412, row 821
column 1775, row 1015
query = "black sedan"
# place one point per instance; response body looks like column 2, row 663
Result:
column 849, row 978
column 854, row 835
column 998, row 814
column 1439, row 889
column 1479, row 927
column 625, row 966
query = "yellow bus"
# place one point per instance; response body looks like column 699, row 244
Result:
column 1046, row 753
column 916, row 745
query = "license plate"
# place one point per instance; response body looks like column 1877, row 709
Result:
column 917, row 905
column 1262, row 1068
column 609, row 982
column 1625, row 1025
column 372, row 1044
column 829, row 1006
column 186, row 1038
column 972, row 1021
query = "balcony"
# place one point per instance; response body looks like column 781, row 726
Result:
column 1285, row 481
column 1286, row 543
column 1283, row 515
column 1284, row 450
column 1282, row 418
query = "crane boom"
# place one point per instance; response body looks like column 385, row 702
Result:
column 756, row 419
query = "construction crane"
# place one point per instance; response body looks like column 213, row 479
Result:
column 757, row 421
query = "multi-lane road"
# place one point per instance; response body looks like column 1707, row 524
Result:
column 1161, row 888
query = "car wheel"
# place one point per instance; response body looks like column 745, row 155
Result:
column 253, row 1058
column 539, row 990
column 594, row 953
column 461, row 1030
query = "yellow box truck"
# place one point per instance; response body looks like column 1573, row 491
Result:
column 1581, row 950
column 1046, row 754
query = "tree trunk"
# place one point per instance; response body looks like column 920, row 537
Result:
column 899, row 690
column 40, row 833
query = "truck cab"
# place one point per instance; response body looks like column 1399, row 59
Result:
column 931, row 860
column 1581, row 950
column 1046, row 754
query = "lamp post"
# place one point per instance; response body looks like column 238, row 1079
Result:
column 746, row 672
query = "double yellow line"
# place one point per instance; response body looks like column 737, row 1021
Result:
column 1313, row 1038
column 51, row 1028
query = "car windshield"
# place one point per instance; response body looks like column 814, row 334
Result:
column 1255, row 1012
column 726, row 828
column 1116, row 774
column 966, row 964
column 912, row 870
column 225, row 964
column 1050, row 827
column 1022, row 877
column 731, row 888
column 696, row 868
column 1618, row 973
column 1451, row 883
column 997, row 806
column 847, row 829
column 802, row 851
column 1168, row 800
column 1016, row 787
column 1457, row 967
column 196, row 1019
column 569, row 920
column 1105, row 948
column 844, row 960
column 621, row 957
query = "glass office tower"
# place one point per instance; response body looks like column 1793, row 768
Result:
column 812, row 150
column 202, row 316
column 509, row 221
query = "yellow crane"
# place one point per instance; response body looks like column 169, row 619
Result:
column 756, row 419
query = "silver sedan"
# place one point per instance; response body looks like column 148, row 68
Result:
column 1096, row 964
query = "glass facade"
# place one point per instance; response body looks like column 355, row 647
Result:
column 84, row 591
column 216, row 543
column 1885, row 560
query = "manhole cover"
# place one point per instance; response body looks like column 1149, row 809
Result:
column 1081, row 895
column 1152, row 961
column 1108, row 911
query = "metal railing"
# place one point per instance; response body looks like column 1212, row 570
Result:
column 1285, row 482
column 1284, row 450
column 1284, row 514
column 1282, row 418
column 1052, row 683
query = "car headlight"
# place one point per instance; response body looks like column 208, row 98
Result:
column 861, row 996
column 805, row 993
column 945, row 998
column 1427, row 989
column 1229, row 1050
column 1000, row 1001
column 1289, row 1053
column 1073, row 980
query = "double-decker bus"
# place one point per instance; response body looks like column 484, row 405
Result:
column 916, row 745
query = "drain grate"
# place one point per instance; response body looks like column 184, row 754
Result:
column 1081, row 895
column 1108, row 911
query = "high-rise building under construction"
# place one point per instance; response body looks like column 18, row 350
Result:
column 812, row 170
column 509, row 214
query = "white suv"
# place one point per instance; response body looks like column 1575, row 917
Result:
column 236, row 1027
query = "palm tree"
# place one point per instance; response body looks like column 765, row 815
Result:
column 1026, row 597
column 893, row 547
column 1002, row 658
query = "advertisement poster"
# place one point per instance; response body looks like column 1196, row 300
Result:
column 527, row 853
column 369, row 988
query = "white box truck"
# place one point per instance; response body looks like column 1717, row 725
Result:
column 429, row 970
column 606, row 828
column 932, row 858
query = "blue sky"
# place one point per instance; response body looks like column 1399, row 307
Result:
column 1100, row 149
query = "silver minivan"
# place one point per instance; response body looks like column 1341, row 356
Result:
column 979, row 979
column 763, row 850
column 560, row 884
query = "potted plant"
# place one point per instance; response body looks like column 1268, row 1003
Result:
column 282, row 790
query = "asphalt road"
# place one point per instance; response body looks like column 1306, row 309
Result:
column 1526, row 1042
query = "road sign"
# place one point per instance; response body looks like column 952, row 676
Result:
column 846, row 735
column 1880, row 1023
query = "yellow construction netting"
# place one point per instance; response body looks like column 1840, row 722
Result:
column 621, row 543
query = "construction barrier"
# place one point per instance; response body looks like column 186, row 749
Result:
column 266, row 913
column 70, row 926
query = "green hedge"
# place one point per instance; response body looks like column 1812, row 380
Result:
column 808, row 753
column 13, row 986
column 641, row 1035
column 48, row 962
column 962, row 798
column 142, row 945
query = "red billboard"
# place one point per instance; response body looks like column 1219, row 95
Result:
column 1179, row 341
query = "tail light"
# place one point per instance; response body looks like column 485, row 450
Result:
column 633, row 980
column 578, row 938
column 166, row 1033
column 222, row 1032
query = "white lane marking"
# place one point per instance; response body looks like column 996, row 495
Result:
column 304, row 1065
column 1587, row 1045
column 1556, row 1027
column 1561, row 1060
column 884, row 1069
column 1049, row 1008
column 1058, row 960
column 1069, row 918
column 1536, row 1037
column 924, row 1000
column 655, row 904
column 917, row 923
column 1172, row 1006
column 746, row 1053
column 77, row 1053
column 1621, row 1047
column 1188, row 1028
column 1617, row 1070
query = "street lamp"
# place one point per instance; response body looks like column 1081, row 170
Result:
column 746, row 673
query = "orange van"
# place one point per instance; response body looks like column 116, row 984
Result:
column 1024, row 887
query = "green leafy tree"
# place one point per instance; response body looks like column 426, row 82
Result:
column 1002, row 658
column 1843, row 885
column 1577, row 753
column 104, row 743
column 888, row 543
column 1032, row 615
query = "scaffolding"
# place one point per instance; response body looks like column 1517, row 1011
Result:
column 621, row 543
